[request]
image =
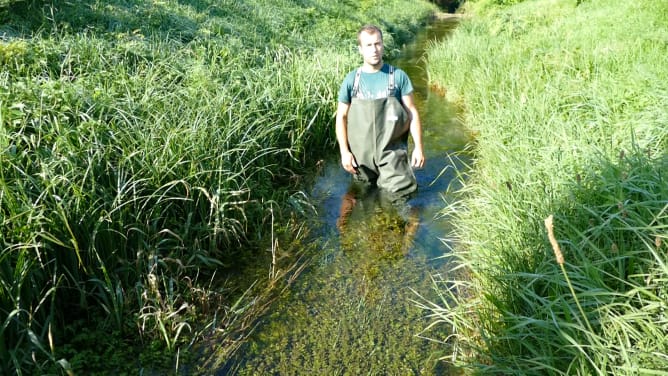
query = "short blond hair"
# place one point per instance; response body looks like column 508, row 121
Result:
column 369, row 29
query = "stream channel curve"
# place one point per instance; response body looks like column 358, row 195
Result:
column 354, row 311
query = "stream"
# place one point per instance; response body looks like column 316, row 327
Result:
column 353, row 311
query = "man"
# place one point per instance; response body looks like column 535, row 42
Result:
column 375, row 114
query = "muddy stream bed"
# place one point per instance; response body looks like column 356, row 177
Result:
column 353, row 310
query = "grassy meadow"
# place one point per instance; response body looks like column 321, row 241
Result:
column 149, row 150
column 562, row 225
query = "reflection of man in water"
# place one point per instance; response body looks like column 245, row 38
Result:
column 375, row 114
column 372, row 220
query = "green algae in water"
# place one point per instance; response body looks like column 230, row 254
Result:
column 352, row 313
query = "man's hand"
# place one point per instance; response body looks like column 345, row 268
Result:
column 417, row 159
column 348, row 162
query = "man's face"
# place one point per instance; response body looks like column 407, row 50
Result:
column 371, row 48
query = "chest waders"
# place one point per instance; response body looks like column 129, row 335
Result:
column 378, row 138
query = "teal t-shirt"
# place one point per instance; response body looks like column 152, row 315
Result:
column 374, row 85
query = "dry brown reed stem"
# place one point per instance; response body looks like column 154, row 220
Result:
column 553, row 241
column 560, row 260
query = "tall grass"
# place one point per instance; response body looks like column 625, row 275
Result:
column 144, row 148
column 569, row 100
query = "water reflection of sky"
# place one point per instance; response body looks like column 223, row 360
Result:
column 434, row 179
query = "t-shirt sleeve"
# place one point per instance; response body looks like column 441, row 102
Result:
column 404, row 83
column 345, row 91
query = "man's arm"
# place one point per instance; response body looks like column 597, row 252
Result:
column 417, row 159
column 347, row 158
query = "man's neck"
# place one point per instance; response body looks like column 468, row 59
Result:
column 367, row 68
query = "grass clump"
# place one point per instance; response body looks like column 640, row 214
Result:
column 568, row 100
column 147, row 151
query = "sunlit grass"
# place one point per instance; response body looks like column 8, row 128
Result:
column 144, row 147
column 570, row 106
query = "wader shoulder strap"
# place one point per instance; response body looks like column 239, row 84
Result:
column 356, row 83
column 390, row 86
